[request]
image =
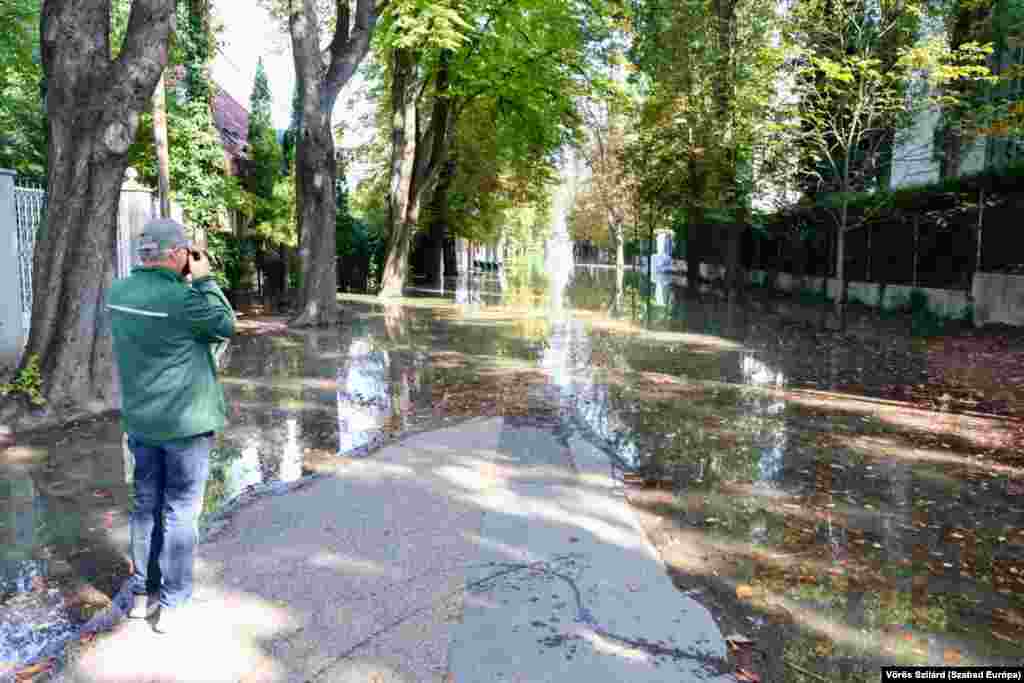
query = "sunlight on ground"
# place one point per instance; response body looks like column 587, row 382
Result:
column 347, row 565
column 884, row 448
column 606, row 646
column 984, row 432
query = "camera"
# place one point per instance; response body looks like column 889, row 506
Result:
column 194, row 256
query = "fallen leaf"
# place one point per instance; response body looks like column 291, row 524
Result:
column 29, row 672
column 744, row 591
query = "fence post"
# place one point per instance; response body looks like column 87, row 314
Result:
column 12, row 323
column 135, row 209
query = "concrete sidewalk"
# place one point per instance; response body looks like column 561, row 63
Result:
column 477, row 553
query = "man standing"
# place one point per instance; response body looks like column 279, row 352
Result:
column 172, row 404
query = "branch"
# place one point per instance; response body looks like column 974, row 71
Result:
column 348, row 54
column 439, row 131
column 305, row 32
column 144, row 52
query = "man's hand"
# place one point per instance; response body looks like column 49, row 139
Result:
column 199, row 267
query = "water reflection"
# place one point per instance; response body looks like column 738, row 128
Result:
column 765, row 409
column 691, row 387
column 364, row 397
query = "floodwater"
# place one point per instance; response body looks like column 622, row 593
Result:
column 805, row 496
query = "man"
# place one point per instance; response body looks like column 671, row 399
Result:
column 172, row 405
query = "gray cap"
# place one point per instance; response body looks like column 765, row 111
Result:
column 162, row 234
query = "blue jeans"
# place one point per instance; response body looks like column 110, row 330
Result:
column 170, row 480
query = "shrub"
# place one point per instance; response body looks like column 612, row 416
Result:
column 28, row 383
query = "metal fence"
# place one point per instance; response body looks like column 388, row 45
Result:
column 29, row 207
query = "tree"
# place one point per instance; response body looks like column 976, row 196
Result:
column 22, row 119
column 848, row 99
column 608, row 201
column 321, row 74
column 262, row 174
column 93, row 107
column 712, row 70
column 442, row 61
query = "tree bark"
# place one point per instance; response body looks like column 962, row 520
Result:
column 693, row 227
column 416, row 159
column 316, row 169
column 439, row 227
column 620, row 246
column 320, row 79
column 93, row 109
column 246, row 260
column 163, row 154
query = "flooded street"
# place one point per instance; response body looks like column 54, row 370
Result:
column 843, row 499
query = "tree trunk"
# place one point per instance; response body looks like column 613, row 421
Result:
column 976, row 266
column 317, row 170
column 841, row 259
column 403, row 157
column 416, row 159
column 733, row 254
column 285, row 258
column 693, row 227
column 439, row 228
column 620, row 246
column 246, row 262
column 917, row 241
column 163, row 155
column 321, row 76
column 93, row 108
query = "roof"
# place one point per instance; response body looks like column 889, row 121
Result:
column 232, row 120
column 229, row 116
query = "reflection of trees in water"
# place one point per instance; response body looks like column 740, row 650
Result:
column 376, row 383
column 30, row 617
column 766, row 413
column 364, row 400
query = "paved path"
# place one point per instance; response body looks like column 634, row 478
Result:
column 474, row 554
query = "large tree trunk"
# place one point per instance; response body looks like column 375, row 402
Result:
column 93, row 108
column 317, row 168
column 416, row 159
column 403, row 158
column 321, row 76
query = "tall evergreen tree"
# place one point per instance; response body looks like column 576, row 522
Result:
column 264, row 150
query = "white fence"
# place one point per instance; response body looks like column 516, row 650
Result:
column 29, row 206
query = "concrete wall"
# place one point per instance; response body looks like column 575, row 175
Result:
column 998, row 299
column 12, row 332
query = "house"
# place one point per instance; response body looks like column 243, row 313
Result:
column 229, row 116
column 232, row 121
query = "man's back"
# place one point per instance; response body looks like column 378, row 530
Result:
column 162, row 331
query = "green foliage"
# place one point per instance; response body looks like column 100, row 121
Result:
column 227, row 253
column 361, row 249
column 271, row 206
column 23, row 129
column 199, row 182
column 27, row 383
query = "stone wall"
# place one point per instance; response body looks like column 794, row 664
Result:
column 998, row 299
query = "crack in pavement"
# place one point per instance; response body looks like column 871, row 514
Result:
column 714, row 665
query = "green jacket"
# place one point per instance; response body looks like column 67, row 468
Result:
column 163, row 333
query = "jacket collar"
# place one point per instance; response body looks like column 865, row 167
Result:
column 161, row 271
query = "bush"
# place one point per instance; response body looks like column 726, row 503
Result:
column 28, row 383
